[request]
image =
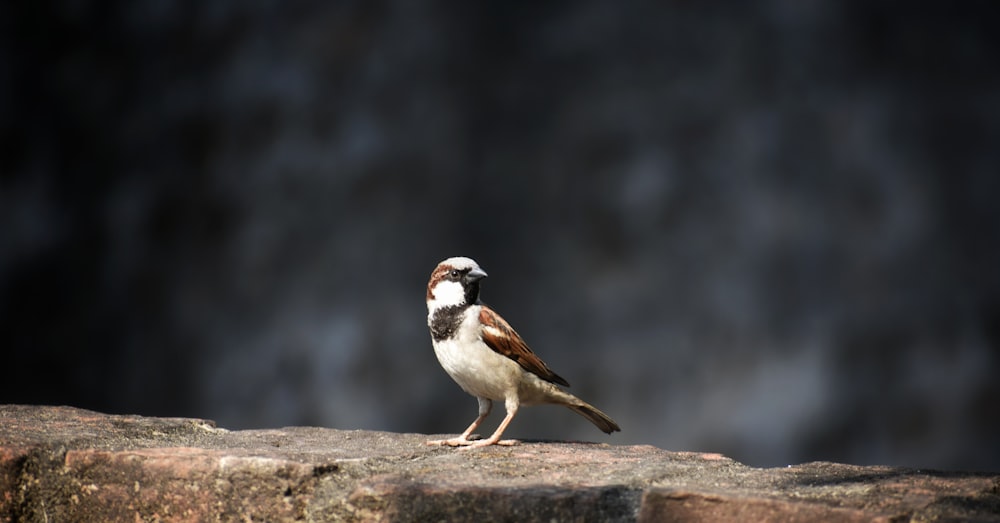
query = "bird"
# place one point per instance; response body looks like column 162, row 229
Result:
column 488, row 358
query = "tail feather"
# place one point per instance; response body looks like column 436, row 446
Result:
column 602, row 420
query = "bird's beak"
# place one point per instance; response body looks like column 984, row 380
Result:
column 475, row 275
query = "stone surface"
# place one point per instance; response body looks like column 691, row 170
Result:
column 67, row 464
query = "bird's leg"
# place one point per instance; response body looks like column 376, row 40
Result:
column 485, row 406
column 511, row 406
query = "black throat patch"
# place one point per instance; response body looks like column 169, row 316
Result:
column 471, row 291
column 445, row 321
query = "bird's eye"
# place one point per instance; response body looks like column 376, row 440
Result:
column 454, row 273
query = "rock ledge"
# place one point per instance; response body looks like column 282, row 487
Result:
column 67, row 464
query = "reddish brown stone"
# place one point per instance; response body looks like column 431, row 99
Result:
column 65, row 464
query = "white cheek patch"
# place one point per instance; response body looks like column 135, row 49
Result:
column 447, row 293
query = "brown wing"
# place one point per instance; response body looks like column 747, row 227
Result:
column 502, row 338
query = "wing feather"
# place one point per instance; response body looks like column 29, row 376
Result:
column 501, row 337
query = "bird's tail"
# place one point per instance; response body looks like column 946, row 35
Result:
column 592, row 413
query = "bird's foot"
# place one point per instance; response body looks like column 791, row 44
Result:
column 453, row 442
column 488, row 442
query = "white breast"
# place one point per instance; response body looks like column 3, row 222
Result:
column 478, row 369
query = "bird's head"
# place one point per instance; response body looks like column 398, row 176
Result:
column 454, row 282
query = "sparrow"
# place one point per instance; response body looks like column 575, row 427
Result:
column 487, row 358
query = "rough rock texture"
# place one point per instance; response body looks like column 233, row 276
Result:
column 67, row 464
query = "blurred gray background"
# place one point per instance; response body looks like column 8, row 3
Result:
column 767, row 229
